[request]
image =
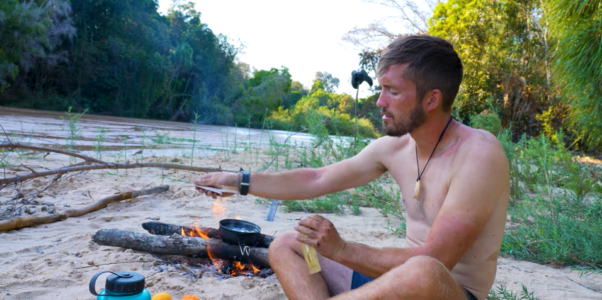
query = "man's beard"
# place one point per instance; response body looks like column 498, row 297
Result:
column 403, row 126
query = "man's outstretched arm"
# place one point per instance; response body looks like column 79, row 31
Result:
column 308, row 183
column 471, row 199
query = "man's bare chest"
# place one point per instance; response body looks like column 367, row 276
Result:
column 434, row 184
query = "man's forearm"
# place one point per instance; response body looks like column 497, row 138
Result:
column 374, row 262
column 289, row 185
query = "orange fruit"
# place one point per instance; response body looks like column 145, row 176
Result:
column 161, row 296
column 190, row 297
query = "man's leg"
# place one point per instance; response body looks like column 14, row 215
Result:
column 421, row 277
column 287, row 261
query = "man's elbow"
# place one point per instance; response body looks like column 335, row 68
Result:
column 448, row 260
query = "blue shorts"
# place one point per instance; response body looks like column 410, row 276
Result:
column 358, row 280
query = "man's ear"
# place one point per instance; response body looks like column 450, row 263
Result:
column 433, row 99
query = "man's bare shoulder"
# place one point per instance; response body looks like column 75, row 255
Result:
column 482, row 147
column 391, row 143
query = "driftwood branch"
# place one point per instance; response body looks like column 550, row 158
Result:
column 114, row 166
column 46, row 149
column 160, row 228
column 179, row 245
column 20, row 222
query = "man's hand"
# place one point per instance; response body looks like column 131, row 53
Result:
column 321, row 234
column 218, row 180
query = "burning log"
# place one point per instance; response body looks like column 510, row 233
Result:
column 179, row 245
column 160, row 228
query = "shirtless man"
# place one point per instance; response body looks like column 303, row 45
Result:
column 454, row 225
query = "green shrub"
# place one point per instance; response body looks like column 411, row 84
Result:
column 487, row 121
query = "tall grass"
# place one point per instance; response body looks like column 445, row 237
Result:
column 556, row 202
column 74, row 133
column 101, row 138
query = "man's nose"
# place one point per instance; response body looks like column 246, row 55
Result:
column 381, row 101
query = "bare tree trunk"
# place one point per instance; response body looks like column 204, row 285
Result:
column 179, row 245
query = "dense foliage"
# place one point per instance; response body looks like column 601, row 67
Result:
column 531, row 62
column 124, row 58
column 576, row 25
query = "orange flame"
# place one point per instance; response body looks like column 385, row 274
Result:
column 219, row 212
column 202, row 234
column 255, row 270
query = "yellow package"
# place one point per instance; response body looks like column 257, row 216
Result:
column 311, row 259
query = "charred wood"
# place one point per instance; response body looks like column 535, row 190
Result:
column 179, row 245
column 160, row 228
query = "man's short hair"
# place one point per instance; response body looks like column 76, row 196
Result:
column 433, row 65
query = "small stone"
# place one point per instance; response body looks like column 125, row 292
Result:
column 49, row 204
column 91, row 262
column 51, row 210
column 43, row 208
column 66, row 205
column 40, row 195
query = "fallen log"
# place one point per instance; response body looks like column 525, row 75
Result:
column 21, row 222
column 160, row 228
column 179, row 245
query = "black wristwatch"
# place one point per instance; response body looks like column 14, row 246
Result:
column 244, row 183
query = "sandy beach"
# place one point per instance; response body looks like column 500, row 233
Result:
column 57, row 260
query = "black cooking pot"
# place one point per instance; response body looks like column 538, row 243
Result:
column 239, row 232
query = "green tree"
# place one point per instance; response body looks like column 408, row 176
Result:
column 576, row 26
column 329, row 82
column 31, row 31
column 268, row 90
column 503, row 46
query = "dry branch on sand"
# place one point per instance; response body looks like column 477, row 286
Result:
column 98, row 165
column 179, row 245
column 20, row 222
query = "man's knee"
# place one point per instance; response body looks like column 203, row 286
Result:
column 421, row 270
column 283, row 243
column 427, row 274
column 424, row 263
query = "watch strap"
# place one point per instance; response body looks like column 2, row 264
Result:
column 245, row 182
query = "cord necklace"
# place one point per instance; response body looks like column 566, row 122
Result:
column 417, row 187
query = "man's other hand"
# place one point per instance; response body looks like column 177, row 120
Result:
column 321, row 234
column 219, row 181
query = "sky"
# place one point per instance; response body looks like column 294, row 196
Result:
column 304, row 36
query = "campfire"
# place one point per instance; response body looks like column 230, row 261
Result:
column 233, row 268
column 236, row 248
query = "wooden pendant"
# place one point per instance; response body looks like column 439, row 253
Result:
column 417, row 189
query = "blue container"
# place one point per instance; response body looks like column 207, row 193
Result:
column 121, row 286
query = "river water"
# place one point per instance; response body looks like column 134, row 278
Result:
column 165, row 138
